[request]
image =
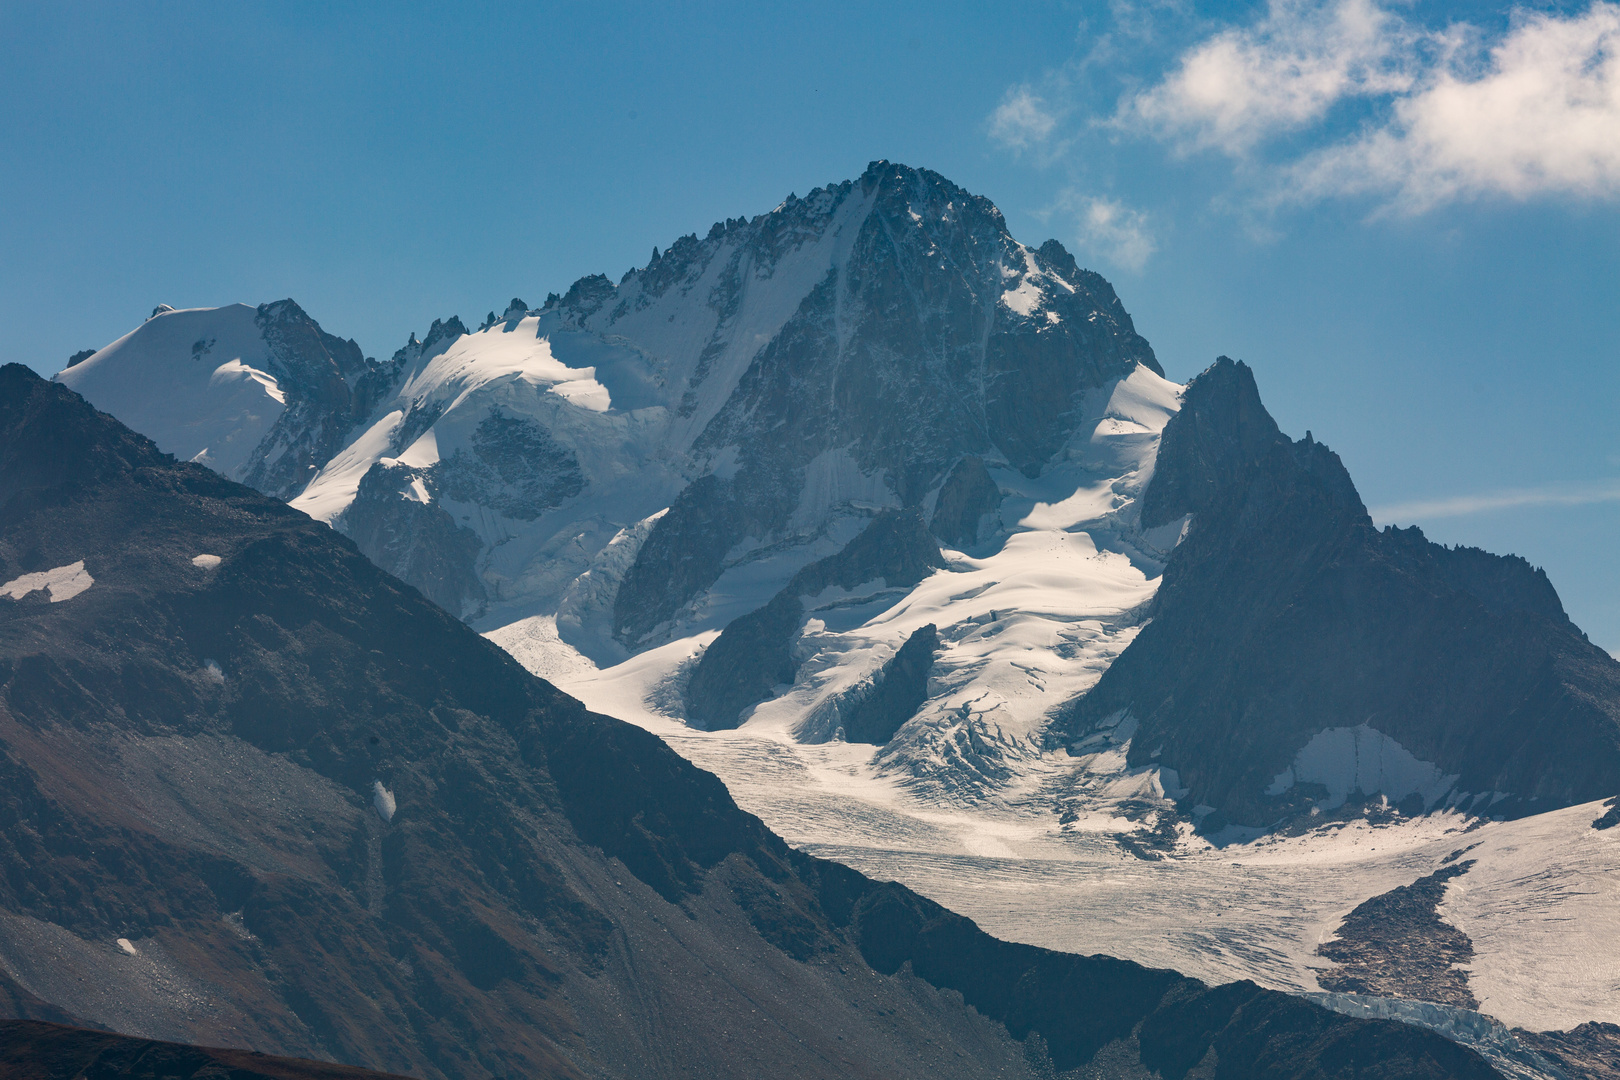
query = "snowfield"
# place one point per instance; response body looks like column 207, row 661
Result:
column 217, row 402
column 61, row 583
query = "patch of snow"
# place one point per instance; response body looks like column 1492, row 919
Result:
column 205, row 562
column 213, row 672
column 61, row 583
column 128, row 946
column 1346, row 760
column 383, row 801
column 334, row 487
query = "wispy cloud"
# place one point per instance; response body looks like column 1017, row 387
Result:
column 1022, row 121
column 1324, row 99
column 1121, row 234
column 1540, row 117
column 1509, row 499
column 1247, row 84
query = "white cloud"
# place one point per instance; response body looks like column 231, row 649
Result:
column 1022, row 120
column 1543, row 117
column 1284, row 73
column 1121, row 234
column 1513, row 499
column 1536, row 112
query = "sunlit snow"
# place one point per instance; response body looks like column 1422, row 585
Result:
column 383, row 801
column 62, row 583
column 218, row 401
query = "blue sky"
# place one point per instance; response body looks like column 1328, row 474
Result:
column 1404, row 215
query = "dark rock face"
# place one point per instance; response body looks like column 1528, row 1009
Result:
column 1284, row 613
column 1588, row 1052
column 754, row 654
column 918, row 349
column 400, row 521
column 30, row 1050
column 516, row 468
column 417, row 542
column 967, row 495
column 330, row 387
column 894, row 547
column 745, row 664
column 80, row 357
column 898, row 691
column 1396, row 945
column 686, row 550
column 1611, row 815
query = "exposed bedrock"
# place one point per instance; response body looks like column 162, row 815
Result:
column 938, row 335
column 1285, row 615
column 897, row 692
column 754, row 654
column 967, row 497
column 415, row 540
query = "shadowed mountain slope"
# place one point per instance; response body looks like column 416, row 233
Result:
column 254, row 791
column 1297, row 654
column 30, row 1050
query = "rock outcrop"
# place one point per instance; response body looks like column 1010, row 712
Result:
column 1289, row 632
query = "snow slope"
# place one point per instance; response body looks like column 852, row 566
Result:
column 196, row 382
column 1027, row 620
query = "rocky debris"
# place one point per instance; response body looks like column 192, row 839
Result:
column 966, row 498
column 1611, row 817
column 555, row 894
column 1284, row 615
column 1588, row 1052
column 30, row 1050
column 754, row 655
column 897, row 692
column 1396, row 945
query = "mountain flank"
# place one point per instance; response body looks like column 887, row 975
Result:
column 256, row 792
column 33, row 1050
column 1297, row 655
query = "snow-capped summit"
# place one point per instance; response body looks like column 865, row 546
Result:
column 751, row 396
column 636, row 464
column 263, row 395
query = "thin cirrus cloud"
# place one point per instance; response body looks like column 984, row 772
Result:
column 1513, row 499
column 1535, row 112
column 1122, row 234
column 1022, row 121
